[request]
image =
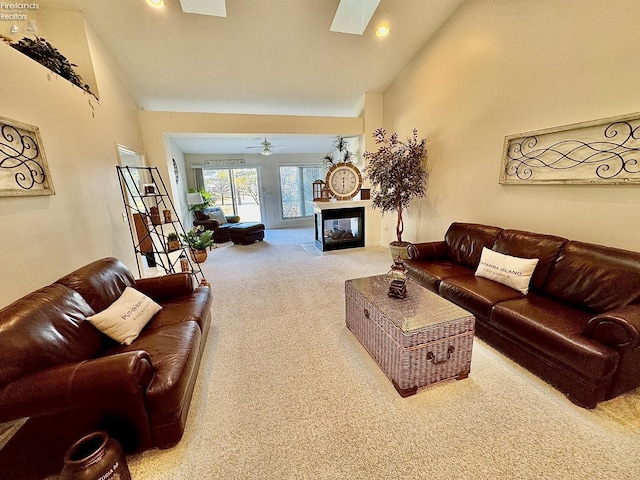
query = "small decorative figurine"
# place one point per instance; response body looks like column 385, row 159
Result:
column 184, row 263
column 398, row 279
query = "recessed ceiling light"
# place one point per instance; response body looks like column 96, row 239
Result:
column 156, row 3
column 382, row 30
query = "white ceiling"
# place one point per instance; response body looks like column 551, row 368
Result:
column 275, row 57
column 251, row 144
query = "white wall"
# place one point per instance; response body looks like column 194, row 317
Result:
column 501, row 67
column 44, row 238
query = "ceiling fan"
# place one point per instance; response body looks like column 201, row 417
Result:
column 267, row 147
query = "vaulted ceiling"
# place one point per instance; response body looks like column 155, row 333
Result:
column 264, row 57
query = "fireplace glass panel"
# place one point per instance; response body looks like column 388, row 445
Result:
column 340, row 228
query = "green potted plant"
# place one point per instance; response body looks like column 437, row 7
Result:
column 198, row 239
column 208, row 200
column 173, row 242
column 398, row 174
column 344, row 155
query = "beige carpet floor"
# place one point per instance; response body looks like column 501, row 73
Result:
column 285, row 391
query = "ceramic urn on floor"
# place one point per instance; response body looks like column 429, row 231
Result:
column 95, row 457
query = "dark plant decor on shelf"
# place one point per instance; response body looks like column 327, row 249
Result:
column 40, row 50
column 344, row 155
column 397, row 172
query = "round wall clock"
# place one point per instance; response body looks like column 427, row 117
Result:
column 344, row 180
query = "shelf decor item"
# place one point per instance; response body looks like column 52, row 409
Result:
column 173, row 242
column 40, row 50
column 317, row 190
column 397, row 277
column 23, row 166
column 398, row 174
column 155, row 216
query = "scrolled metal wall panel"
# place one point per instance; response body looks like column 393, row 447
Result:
column 23, row 165
column 599, row 152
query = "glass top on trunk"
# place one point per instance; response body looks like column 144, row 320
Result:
column 420, row 308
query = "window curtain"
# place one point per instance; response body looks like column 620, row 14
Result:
column 197, row 171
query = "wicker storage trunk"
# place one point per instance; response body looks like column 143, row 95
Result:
column 417, row 341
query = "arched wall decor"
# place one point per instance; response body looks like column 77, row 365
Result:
column 604, row 151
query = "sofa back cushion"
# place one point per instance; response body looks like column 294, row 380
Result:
column 545, row 248
column 466, row 240
column 45, row 329
column 101, row 282
column 594, row 277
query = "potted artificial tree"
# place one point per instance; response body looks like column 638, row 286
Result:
column 198, row 239
column 397, row 173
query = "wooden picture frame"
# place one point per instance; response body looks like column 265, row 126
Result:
column 24, row 170
column 605, row 151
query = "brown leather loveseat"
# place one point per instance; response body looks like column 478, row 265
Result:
column 69, row 379
column 578, row 327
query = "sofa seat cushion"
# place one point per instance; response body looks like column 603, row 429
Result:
column 174, row 352
column 555, row 330
column 430, row 274
column 476, row 294
column 194, row 307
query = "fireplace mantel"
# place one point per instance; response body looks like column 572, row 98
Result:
column 341, row 204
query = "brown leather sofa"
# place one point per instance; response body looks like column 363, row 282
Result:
column 69, row 379
column 578, row 328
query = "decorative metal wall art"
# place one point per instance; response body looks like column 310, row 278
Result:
column 23, row 165
column 599, row 152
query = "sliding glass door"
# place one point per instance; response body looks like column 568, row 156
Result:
column 235, row 190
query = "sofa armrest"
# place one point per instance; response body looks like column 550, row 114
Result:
column 68, row 387
column 167, row 286
column 426, row 251
column 209, row 224
column 618, row 328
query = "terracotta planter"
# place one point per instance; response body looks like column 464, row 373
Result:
column 172, row 246
column 198, row 256
column 95, row 456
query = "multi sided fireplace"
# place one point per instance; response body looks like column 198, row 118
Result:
column 339, row 228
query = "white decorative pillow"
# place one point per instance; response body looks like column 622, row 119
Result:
column 126, row 317
column 511, row 271
column 218, row 215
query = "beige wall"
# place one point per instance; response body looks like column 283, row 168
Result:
column 44, row 238
column 501, row 67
